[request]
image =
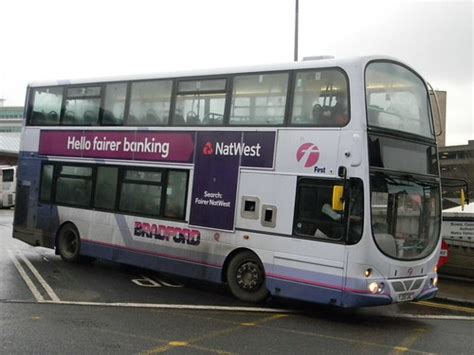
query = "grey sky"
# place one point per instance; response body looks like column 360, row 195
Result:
column 53, row 39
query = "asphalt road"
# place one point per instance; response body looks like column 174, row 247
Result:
column 48, row 306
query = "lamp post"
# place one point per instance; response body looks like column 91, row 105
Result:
column 296, row 29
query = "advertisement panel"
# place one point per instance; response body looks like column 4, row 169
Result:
column 219, row 155
column 176, row 147
column 217, row 158
column 215, row 180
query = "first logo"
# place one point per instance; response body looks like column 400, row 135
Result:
column 308, row 153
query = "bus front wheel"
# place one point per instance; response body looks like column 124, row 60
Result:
column 246, row 278
column 69, row 243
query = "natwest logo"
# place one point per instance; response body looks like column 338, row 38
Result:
column 232, row 149
column 208, row 150
column 308, row 153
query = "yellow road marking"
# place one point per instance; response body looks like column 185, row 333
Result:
column 344, row 340
column 408, row 342
column 447, row 306
column 177, row 343
column 191, row 343
column 400, row 349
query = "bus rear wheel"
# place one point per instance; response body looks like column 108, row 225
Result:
column 246, row 278
column 69, row 243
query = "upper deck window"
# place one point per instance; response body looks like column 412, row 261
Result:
column 397, row 99
column 150, row 103
column 320, row 99
column 114, row 104
column 46, row 106
column 200, row 102
column 259, row 99
column 82, row 106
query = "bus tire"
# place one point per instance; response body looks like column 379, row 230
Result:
column 246, row 278
column 69, row 243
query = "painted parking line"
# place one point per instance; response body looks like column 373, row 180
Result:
column 430, row 317
column 29, row 282
column 450, row 307
column 176, row 306
column 37, row 295
column 40, row 279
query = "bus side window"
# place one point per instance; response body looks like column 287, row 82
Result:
column 175, row 206
column 82, row 106
column 150, row 103
column 356, row 211
column 114, row 104
column 259, row 99
column 46, row 182
column 314, row 216
column 74, row 185
column 46, row 106
column 106, row 187
column 201, row 101
column 321, row 98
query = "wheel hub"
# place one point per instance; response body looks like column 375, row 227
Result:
column 248, row 276
column 71, row 243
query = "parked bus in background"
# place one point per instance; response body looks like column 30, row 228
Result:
column 7, row 185
column 314, row 180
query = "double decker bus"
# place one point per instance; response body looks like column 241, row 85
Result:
column 316, row 180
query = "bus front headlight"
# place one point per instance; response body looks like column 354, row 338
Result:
column 434, row 281
column 376, row 287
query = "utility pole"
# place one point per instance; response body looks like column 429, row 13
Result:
column 296, row 29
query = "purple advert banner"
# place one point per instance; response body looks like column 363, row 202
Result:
column 215, row 181
column 218, row 158
column 256, row 149
column 175, row 147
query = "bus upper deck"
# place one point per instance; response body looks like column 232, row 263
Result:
column 313, row 94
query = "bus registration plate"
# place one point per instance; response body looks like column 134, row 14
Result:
column 406, row 296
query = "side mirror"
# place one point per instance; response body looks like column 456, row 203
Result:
column 337, row 198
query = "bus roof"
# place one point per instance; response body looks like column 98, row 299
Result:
column 305, row 64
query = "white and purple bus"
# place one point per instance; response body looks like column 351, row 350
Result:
column 316, row 180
